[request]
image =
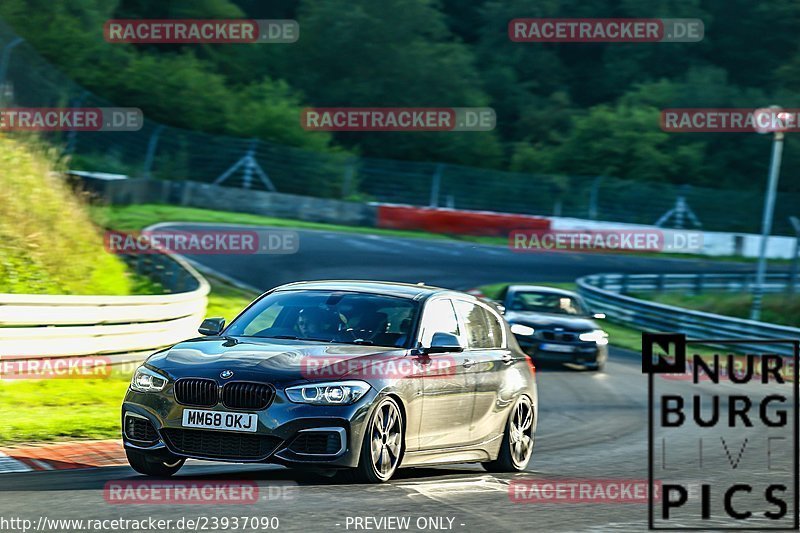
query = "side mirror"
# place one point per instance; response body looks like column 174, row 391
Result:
column 599, row 315
column 212, row 326
column 442, row 342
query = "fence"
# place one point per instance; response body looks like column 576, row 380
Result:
column 165, row 152
column 123, row 327
column 604, row 292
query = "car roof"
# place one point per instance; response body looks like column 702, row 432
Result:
column 388, row 288
column 540, row 288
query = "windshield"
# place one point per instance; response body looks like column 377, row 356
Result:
column 546, row 302
column 329, row 316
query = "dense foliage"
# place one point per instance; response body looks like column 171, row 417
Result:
column 590, row 109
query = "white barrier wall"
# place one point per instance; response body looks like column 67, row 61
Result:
column 714, row 243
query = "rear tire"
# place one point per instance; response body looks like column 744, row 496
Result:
column 517, row 446
column 149, row 465
column 382, row 448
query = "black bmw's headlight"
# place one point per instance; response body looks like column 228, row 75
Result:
column 146, row 380
column 522, row 329
column 334, row 393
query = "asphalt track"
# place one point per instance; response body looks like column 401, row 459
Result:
column 592, row 426
column 445, row 263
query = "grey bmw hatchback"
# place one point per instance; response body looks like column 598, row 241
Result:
column 347, row 375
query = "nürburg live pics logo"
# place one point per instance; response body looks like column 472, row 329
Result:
column 722, row 433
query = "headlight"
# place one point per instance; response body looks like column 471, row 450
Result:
column 520, row 329
column 599, row 336
column 337, row 393
column 145, row 380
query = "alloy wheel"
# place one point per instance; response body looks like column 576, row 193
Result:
column 521, row 432
column 386, row 439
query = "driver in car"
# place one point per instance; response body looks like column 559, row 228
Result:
column 315, row 323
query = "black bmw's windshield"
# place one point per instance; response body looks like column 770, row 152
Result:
column 329, row 316
column 546, row 302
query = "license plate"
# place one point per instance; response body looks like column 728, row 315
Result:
column 196, row 418
column 563, row 348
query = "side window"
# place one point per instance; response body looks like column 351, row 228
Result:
column 474, row 318
column 439, row 316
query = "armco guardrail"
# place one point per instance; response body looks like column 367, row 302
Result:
column 604, row 293
column 44, row 326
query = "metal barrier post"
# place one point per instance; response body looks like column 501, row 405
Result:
column 5, row 58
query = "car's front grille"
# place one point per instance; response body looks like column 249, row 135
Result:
column 220, row 445
column 197, row 392
column 243, row 395
column 564, row 336
column 317, row 443
column 140, row 429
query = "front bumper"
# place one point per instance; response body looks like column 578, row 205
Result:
column 279, row 425
column 581, row 353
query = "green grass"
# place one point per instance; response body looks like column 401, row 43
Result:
column 137, row 217
column 48, row 244
column 226, row 300
column 776, row 308
column 55, row 409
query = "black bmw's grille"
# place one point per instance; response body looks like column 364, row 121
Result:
column 242, row 395
column 217, row 444
column 565, row 336
column 139, row 429
column 317, row 443
column 197, row 392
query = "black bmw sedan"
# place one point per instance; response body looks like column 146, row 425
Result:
column 555, row 325
column 349, row 375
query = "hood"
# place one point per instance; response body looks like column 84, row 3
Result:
column 268, row 360
column 544, row 320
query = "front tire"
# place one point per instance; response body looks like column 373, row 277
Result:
column 599, row 365
column 382, row 448
column 149, row 465
column 517, row 446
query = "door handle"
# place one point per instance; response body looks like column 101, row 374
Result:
column 508, row 359
column 468, row 363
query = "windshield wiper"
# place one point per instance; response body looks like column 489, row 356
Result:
column 361, row 342
column 294, row 338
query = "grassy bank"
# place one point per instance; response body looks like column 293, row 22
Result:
column 137, row 217
column 48, row 244
column 776, row 308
